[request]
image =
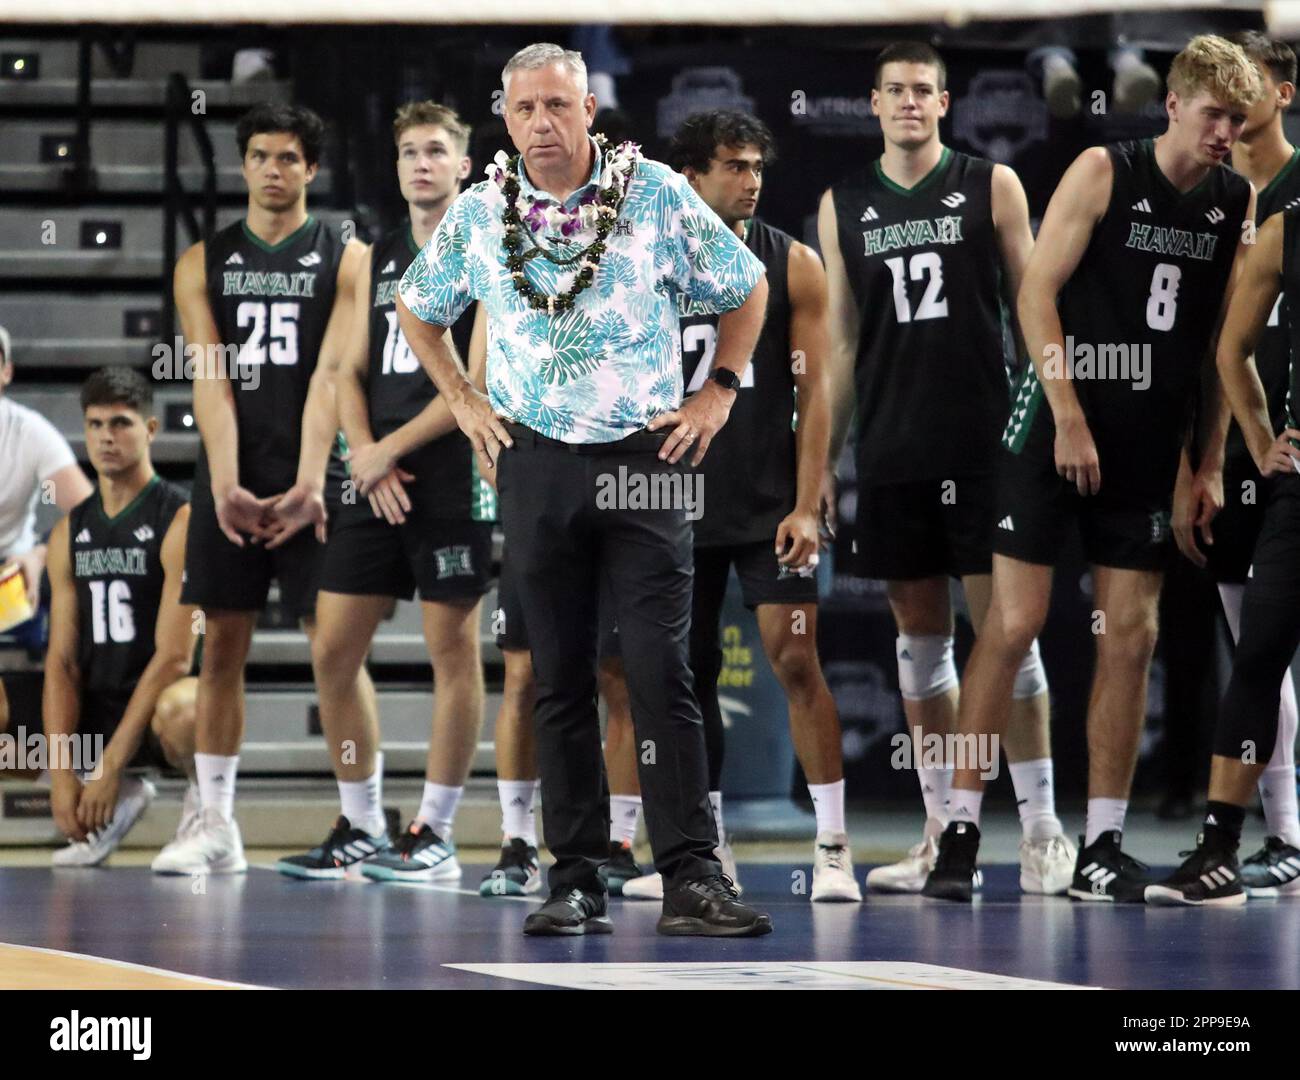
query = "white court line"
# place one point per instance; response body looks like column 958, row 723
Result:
column 428, row 885
column 129, row 966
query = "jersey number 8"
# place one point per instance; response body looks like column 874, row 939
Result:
column 1162, row 304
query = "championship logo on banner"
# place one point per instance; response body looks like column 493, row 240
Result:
column 1000, row 114
column 699, row 89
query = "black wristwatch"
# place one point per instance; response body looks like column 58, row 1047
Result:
column 725, row 378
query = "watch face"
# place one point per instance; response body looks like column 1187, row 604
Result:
column 726, row 378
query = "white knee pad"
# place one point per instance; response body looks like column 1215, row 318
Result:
column 1031, row 679
column 925, row 665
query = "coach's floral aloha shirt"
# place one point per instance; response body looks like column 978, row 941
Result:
column 601, row 370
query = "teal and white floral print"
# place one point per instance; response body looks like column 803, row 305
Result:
column 602, row 370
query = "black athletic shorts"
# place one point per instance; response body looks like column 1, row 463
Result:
column 925, row 528
column 1236, row 527
column 512, row 633
column 1036, row 508
column 1275, row 573
column 101, row 713
column 224, row 577
column 440, row 559
column 761, row 577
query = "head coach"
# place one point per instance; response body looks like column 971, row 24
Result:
column 580, row 254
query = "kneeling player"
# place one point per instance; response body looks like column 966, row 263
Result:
column 115, row 565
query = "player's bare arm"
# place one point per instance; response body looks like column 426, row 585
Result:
column 1015, row 238
column 1198, row 493
column 173, row 654
column 797, row 534
column 303, row 505
column 1079, row 202
column 1248, row 310
column 469, row 405
column 844, row 328
column 706, row 411
column 239, row 512
column 61, row 697
column 374, row 466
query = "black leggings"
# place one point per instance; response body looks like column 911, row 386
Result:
column 712, row 567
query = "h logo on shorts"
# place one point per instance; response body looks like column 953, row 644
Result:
column 1159, row 526
column 454, row 561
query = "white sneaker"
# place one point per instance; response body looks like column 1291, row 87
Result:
column 211, row 845
column 833, row 870
column 645, row 887
column 651, row 886
column 133, row 799
column 907, row 875
column 1046, row 866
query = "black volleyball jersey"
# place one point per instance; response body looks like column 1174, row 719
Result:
column 447, row 483
column 1291, row 284
column 1273, row 351
column 749, row 472
column 1138, row 314
column 274, row 302
column 923, row 265
column 118, row 573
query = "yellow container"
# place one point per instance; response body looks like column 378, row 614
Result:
column 14, row 608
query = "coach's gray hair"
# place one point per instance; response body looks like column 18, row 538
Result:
column 543, row 54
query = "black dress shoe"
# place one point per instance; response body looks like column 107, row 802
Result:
column 570, row 914
column 710, row 907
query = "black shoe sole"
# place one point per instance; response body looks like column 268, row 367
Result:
column 689, row 926
column 540, row 926
column 959, row 891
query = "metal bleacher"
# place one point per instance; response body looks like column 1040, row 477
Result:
column 85, row 195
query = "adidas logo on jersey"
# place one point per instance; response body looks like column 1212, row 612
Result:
column 311, row 259
column 1214, row 215
column 869, row 214
column 1292, row 204
column 1007, row 524
column 235, row 260
column 1142, row 205
column 390, row 268
column 143, row 533
column 954, row 200
column 82, row 537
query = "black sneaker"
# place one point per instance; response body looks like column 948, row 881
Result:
column 621, row 867
column 344, row 847
column 1209, row 876
column 1104, row 873
column 569, row 915
column 954, row 873
column 710, row 907
column 1274, row 870
column 517, row 873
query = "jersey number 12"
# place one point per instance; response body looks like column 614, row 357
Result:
column 923, row 266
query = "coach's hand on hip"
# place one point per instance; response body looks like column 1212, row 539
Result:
column 695, row 423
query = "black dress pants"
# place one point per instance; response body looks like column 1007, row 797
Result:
column 574, row 518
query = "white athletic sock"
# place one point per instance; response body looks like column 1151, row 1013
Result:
column 715, row 801
column 216, row 775
column 936, row 785
column 1036, row 798
column 438, row 807
column 518, row 815
column 1103, row 816
column 363, row 800
column 1277, row 793
column 828, row 805
column 624, row 814
column 965, row 806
